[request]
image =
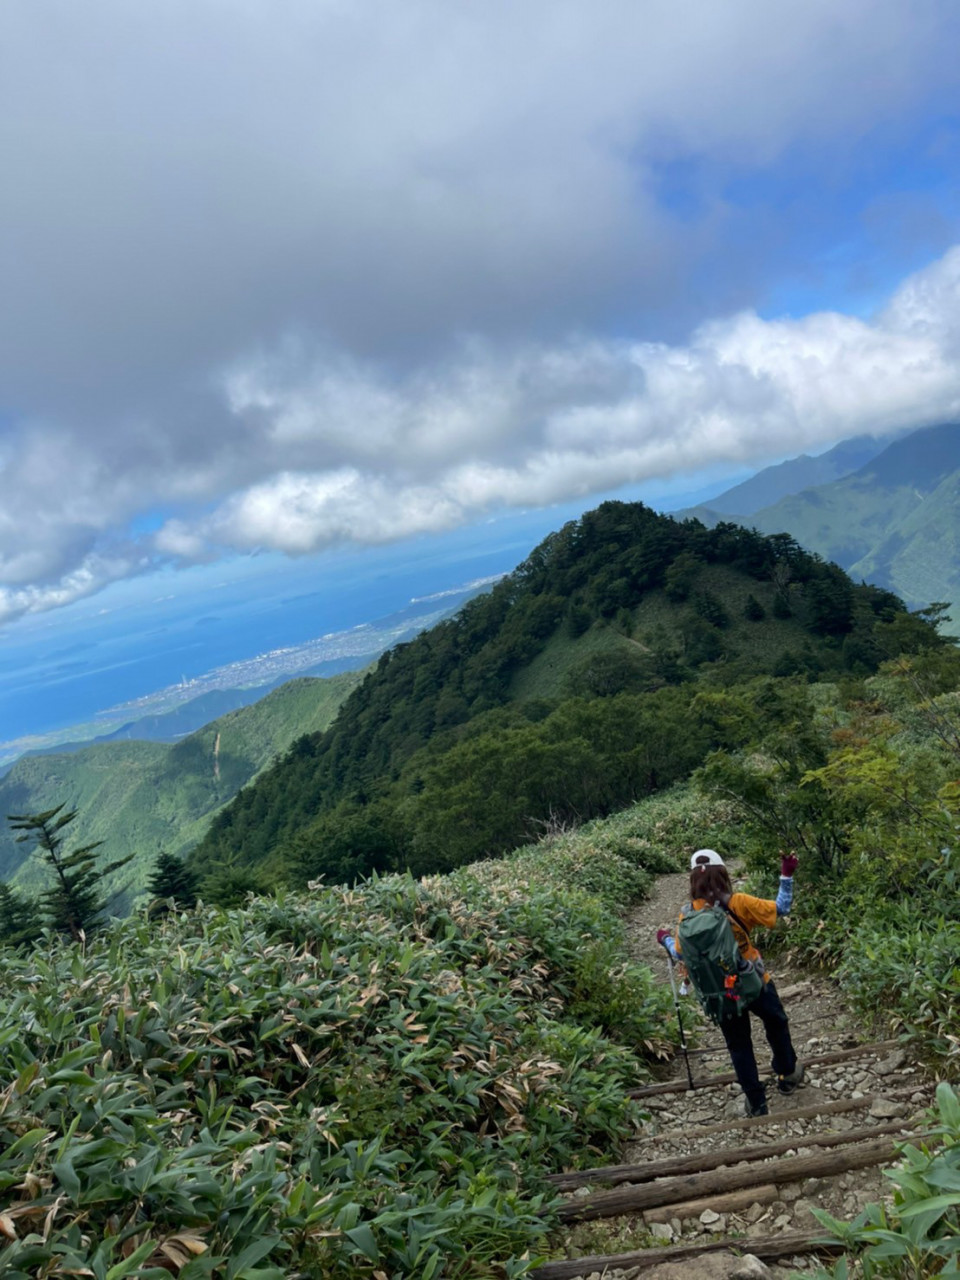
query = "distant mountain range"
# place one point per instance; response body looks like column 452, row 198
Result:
column 144, row 797
column 796, row 474
column 892, row 519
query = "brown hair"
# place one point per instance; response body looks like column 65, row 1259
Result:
column 709, row 881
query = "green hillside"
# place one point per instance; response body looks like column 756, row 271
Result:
column 562, row 695
column 384, row 1079
column 143, row 797
column 895, row 521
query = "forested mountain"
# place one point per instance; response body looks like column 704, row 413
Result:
column 143, row 797
column 568, row 691
column 895, row 521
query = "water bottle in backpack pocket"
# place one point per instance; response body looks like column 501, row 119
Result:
column 724, row 981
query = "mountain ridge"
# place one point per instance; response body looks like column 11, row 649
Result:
column 894, row 521
column 455, row 726
column 143, row 797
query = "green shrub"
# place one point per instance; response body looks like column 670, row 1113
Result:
column 361, row 1080
column 919, row 1236
column 901, row 967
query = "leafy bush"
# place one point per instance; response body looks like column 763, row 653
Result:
column 366, row 1080
column 662, row 831
column 901, row 967
column 920, row 1235
column 572, row 860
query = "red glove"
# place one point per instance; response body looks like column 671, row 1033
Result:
column 662, row 934
column 789, row 865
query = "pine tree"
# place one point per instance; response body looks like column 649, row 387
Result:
column 74, row 906
column 753, row 610
column 18, row 919
column 171, row 879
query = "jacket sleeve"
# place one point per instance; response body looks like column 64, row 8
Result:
column 754, row 912
column 785, row 895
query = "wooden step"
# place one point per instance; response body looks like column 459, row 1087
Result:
column 766, row 1248
column 730, row 1202
column 728, row 1077
column 633, row 1199
column 813, row 1112
column 703, row 1051
column 702, row 1161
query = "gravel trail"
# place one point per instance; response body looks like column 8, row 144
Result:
column 889, row 1088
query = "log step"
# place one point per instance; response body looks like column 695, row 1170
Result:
column 812, row 1112
column 732, row 1202
column 728, row 1077
column 703, row 1161
column 633, row 1199
column 766, row 1248
column 706, row 1050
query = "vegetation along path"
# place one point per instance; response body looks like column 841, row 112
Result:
column 702, row 1187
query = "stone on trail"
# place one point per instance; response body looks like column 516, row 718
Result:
column 803, row 1214
column 884, row 1109
column 662, row 1231
column 751, row 1268
column 709, row 1266
column 892, row 1063
column 712, row 1266
column 797, row 988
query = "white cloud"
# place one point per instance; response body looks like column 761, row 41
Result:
column 544, row 424
column 92, row 574
column 337, row 450
column 340, row 271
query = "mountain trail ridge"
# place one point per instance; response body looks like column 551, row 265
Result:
column 847, row 1113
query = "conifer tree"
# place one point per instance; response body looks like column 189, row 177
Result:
column 171, row 879
column 74, row 905
column 18, row 918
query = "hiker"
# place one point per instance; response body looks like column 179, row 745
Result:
column 714, row 924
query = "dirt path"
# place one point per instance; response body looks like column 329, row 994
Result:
column 888, row 1088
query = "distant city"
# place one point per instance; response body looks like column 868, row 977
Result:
column 336, row 650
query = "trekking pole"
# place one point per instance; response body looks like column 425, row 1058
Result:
column 676, row 1005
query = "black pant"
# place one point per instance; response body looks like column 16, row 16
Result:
column 736, row 1031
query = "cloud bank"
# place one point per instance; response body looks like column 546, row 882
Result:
column 337, row 451
column 299, row 274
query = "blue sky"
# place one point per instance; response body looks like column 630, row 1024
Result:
column 307, row 277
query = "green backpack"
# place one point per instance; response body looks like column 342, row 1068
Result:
column 725, row 983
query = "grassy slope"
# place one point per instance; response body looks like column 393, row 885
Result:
column 656, row 619
column 547, row 676
column 439, row 1047
column 142, row 797
column 759, row 642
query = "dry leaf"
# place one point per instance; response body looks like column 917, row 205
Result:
column 179, row 1257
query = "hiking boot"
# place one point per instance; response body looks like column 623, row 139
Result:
column 755, row 1109
column 788, row 1084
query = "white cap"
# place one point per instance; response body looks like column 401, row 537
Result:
column 706, row 858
